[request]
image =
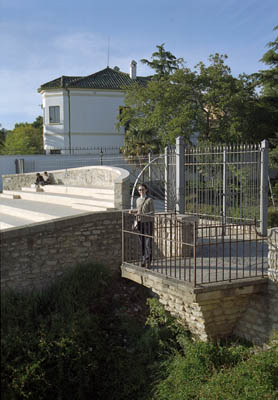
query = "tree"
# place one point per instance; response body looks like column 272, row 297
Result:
column 164, row 63
column 3, row 133
column 25, row 138
column 208, row 101
column 269, row 78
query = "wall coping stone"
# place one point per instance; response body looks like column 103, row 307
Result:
column 188, row 286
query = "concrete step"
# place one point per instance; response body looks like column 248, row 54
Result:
column 63, row 199
column 4, row 226
column 88, row 207
column 96, row 192
column 10, row 221
column 9, row 196
column 17, row 211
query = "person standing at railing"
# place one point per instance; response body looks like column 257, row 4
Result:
column 144, row 216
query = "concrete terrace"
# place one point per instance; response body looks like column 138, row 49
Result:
column 73, row 192
column 27, row 206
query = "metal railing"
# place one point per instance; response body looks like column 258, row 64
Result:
column 224, row 182
column 199, row 254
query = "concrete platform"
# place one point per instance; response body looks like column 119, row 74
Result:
column 20, row 208
column 62, row 198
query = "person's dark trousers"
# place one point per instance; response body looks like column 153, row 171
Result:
column 145, row 237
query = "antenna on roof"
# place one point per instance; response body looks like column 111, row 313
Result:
column 108, row 51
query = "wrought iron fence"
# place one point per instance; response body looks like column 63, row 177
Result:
column 194, row 253
column 223, row 183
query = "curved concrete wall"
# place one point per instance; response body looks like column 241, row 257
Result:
column 92, row 176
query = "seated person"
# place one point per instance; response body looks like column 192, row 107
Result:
column 39, row 180
column 46, row 177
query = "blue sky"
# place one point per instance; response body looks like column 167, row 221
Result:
column 41, row 40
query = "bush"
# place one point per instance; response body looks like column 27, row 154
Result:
column 76, row 341
column 68, row 342
column 207, row 371
column 272, row 217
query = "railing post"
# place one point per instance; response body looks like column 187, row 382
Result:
column 180, row 192
column 150, row 170
column 264, row 187
column 224, row 188
column 123, row 238
column 195, row 253
column 166, row 175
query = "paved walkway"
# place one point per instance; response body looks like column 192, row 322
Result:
column 216, row 262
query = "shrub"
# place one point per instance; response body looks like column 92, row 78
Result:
column 67, row 342
column 272, row 217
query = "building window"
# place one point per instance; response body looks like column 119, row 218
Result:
column 54, row 114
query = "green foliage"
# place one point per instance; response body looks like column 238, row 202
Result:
column 269, row 78
column 25, row 138
column 3, row 133
column 207, row 371
column 272, row 217
column 273, row 152
column 163, row 62
column 67, row 342
column 207, row 100
column 75, row 341
column 255, row 378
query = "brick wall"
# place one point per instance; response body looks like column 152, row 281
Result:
column 34, row 256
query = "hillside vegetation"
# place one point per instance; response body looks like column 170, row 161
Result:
column 93, row 335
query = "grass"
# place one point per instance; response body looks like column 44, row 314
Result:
column 82, row 339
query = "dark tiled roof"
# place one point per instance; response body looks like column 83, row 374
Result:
column 106, row 79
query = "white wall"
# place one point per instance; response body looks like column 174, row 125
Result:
column 93, row 115
column 55, row 135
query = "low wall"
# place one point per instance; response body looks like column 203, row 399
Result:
column 95, row 176
column 34, row 256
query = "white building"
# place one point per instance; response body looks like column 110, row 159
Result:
column 82, row 111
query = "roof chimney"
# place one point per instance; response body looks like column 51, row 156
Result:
column 132, row 70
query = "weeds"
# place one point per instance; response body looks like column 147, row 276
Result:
column 75, row 340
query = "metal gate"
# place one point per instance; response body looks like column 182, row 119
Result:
column 227, row 184
column 222, row 184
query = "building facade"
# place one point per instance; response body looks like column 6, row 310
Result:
column 81, row 112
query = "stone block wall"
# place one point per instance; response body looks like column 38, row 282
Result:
column 260, row 320
column 208, row 312
column 35, row 255
column 174, row 235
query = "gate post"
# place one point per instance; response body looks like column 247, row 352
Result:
column 150, row 177
column 166, row 179
column 180, row 190
column 224, row 198
column 264, row 187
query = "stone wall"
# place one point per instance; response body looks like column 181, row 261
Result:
column 35, row 255
column 273, row 254
column 261, row 318
column 246, row 308
column 208, row 312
